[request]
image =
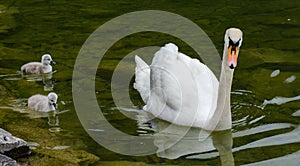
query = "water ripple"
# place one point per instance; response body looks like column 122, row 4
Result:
column 279, row 100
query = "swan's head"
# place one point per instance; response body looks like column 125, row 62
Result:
column 233, row 41
column 52, row 98
column 47, row 60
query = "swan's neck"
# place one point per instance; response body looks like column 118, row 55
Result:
column 223, row 110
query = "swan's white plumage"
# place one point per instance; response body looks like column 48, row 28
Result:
column 38, row 67
column 142, row 78
column 186, row 92
column 43, row 103
column 182, row 90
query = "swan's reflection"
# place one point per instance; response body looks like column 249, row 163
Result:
column 48, row 83
column 45, row 78
column 53, row 118
column 53, row 122
column 174, row 141
column 222, row 141
column 20, row 105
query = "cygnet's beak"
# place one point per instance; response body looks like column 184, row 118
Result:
column 54, row 105
column 52, row 63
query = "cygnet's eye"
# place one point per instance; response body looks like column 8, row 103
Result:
column 52, row 101
column 5, row 138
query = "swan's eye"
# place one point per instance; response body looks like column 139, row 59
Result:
column 52, row 100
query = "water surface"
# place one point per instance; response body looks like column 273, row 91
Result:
column 265, row 92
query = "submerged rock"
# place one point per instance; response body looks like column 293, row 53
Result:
column 67, row 156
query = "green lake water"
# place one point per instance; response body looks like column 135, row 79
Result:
column 265, row 91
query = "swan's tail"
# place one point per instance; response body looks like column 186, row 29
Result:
column 142, row 78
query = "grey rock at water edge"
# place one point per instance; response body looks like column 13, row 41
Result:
column 7, row 161
column 11, row 147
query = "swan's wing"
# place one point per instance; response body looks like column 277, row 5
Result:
column 165, row 75
column 32, row 67
column 183, row 90
column 142, row 78
column 38, row 103
column 207, row 85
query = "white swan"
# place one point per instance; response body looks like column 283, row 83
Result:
column 182, row 90
column 39, row 67
column 43, row 103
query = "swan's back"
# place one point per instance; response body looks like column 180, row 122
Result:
column 32, row 68
column 182, row 90
column 38, row 67
column 39, row 103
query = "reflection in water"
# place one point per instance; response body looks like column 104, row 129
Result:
column 280, row 100
column 222, row 140
column 20, row 105
column 48, row 84
column 262, row 129
column 280, row 139
column 289, row 133
column 174, row 141
column 291, row 159
column 12, row 77
column 275, row 73
column 53, row 121
column 297, row 113
column 45, row 78
column 290, row 79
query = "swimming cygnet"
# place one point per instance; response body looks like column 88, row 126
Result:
column 39, row 67
column 43, row 103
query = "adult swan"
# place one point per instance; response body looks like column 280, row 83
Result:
column 182, row 90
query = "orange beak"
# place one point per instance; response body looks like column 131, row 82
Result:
column 232, row 56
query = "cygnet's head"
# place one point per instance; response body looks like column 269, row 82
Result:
column 52, row 98
column 47, row 60
column 233, row 41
